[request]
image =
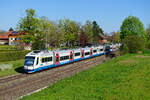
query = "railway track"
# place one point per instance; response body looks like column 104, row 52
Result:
column 10, row 78
column 39, row 80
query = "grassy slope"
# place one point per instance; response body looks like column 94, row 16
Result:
column 16, row 59
column 124, row 78
column 17, row 67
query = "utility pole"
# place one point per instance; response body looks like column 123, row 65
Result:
column 46, row 46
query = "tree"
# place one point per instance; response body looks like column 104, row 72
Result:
column 83, row 38
column 87, row 28
column 148, row 37
column 115, row 37
column 134, row 43
column 132, row 26
column 148, row 32
column 39, row 42
column 70, row 30
column 51, row 32
column 29, row 25
column 96, row 32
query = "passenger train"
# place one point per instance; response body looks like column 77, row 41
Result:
column 40, row 60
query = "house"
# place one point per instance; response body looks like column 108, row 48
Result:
column 14, row 37
column 4, row 39
column 11, row 38
column 103, row 39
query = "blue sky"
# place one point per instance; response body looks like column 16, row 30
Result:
column 108, row 13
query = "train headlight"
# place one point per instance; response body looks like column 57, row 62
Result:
column 30, row 67
column 25, row 67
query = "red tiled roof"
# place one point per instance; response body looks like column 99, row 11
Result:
column 3, row 36
column 15, row 33
column 10, row 34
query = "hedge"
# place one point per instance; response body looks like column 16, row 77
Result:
column 7, row 47
column 12, row 55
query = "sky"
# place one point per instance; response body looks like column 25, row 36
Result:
column 109, row 14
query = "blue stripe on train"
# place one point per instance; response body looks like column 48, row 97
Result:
column 97, row 54
column 66, row 62
column 40, row 68
column 77, row 59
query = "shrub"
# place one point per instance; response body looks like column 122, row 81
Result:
column 146, row 51
column 5, row 66
column 134, row 43
column 147, row 44
column 124, row 49
column 7, row 47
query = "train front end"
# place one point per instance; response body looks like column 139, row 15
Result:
column 30, row 61
column 29, row 64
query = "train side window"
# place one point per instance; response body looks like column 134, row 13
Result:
column 67, row 57
column 46, row 60
column 49, row 59
column 43, row 60
column 37, row 61
column 94, row 51
column 61, row 58
column 77, row 54
column 87, row 53
column 101, row 49
column 64, row 58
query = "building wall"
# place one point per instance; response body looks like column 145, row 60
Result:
column 3, row 42
column 13, row 40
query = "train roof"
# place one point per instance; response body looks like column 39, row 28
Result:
column 63, row 51
column 47, row 52
column 39, row 52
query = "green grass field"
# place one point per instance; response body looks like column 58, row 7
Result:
column 124, row 78
column 16, row 67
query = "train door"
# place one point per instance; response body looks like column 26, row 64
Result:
column 57, row 58
column 91, row 52
column 71, row 56
column 83, row 54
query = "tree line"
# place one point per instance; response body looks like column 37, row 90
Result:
column 64, row 32
column 69, row 33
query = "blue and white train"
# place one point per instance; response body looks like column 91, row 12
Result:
column 40, row 60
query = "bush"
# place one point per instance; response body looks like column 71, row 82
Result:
column 12, row 55
column 5, row 66
column 134, row 43
column 124, row 49
column 146, row 51
column 147, row 44
column 7, row 47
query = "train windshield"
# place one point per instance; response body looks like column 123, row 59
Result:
column 29, row 61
